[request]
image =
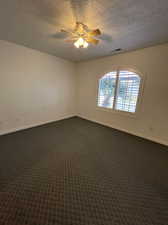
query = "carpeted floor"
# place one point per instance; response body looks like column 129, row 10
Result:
column 75, row 172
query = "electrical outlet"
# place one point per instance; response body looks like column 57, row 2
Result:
column 151, row 128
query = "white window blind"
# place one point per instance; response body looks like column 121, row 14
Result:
column 107, row 86
column 119, row 90
column 127, row 92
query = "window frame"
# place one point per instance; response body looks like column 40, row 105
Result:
column 141, row 90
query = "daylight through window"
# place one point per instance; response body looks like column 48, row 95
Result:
column 119, row 90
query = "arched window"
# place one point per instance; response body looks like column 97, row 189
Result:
column 119, row 90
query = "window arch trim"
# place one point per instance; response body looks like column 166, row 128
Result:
column 140, row 93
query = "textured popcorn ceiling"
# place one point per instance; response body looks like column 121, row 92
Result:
column 131, row 24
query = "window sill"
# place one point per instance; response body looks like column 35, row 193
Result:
column 117, row 112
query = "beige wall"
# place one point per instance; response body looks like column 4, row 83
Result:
column 151, row 121
column 35, row 88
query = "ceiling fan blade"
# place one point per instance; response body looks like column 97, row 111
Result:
column 70, row 32
column 96, row 32
column 64, row 31
column 79, row 28
column 85, row 27
column 92, row 41
column 78, row 24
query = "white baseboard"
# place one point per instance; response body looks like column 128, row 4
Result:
column 12, row 130
column 157, row 140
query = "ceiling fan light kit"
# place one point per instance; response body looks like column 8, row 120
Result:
column 81, row 43
column 82, row 36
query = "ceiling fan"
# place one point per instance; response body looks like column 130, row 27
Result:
column 81, row 35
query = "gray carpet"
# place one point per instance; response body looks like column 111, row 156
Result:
column 75, row 172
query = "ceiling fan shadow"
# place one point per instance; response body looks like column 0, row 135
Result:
column 58, row 15
column 105, row 37
column 79, row 9
column 59, row 35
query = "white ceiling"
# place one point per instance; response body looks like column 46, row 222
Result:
column 131, row 24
